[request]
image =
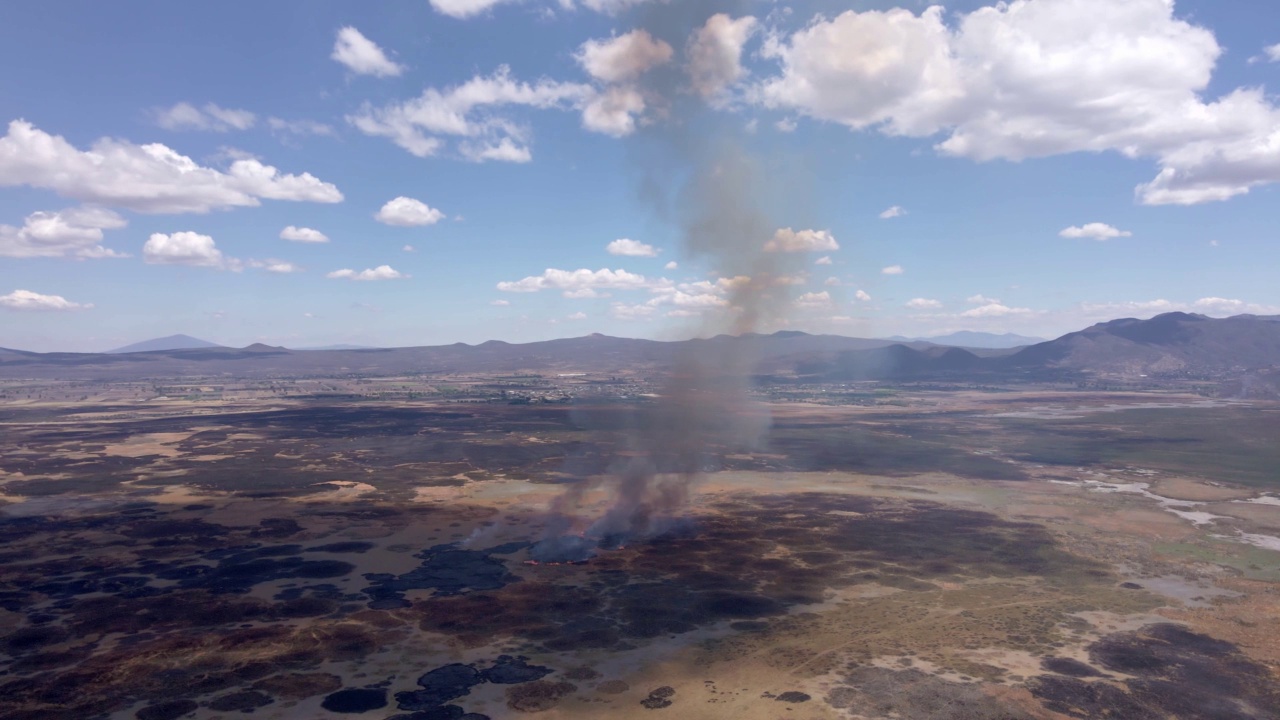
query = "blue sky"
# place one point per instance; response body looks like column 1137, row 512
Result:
column 1053, row 163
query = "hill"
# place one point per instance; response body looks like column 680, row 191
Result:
column 1172, row 343
column 1242, row 349
column 972, row 339
column 172, row 342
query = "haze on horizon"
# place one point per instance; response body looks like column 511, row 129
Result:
column 465, row 170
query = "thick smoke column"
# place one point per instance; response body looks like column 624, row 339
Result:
column 694, row 172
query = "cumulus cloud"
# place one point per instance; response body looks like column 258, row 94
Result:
column 293, row 233
column 715, row 54
column 892, row 270
column 184, row 248
column 272, row 265
column 185, row 116
column 27, row 300
column 74, row 232
column 863, row 296
column 786, row 125
column 407, row 212
column 623, row 311
column 824, row 260
column 465, row 111
column 502, row 150
column 673, row 265
column 995, row 309
column 788, row 240
column 618, row 63
column 1272, row 52
column 1094, row 231
column 580, row 283
column 923, row 304
column 981, row 299
column 631, row 248
column 300, row 127
column 893, row 212
column 362, row 56
column 382, row 272
column 146, row 178
column 463, row 9
column 611, row 7
column 1034, row 78
column 623, row 58
column 577, row 316
column 814, row 300
column 614, row 111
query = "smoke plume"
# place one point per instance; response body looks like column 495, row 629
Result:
column 696, row 173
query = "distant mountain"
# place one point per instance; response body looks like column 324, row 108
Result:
column 336, row 347
column 1174, row 342
column 1244, row 350
column 971, row 339
column 173, row 342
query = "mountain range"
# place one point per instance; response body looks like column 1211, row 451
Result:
column 1171, row 345
column 971, row 339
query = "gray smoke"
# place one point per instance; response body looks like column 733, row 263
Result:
column 694, row 172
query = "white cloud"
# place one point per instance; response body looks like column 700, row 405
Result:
column 814, row 300
column 824, row 260
column 27, row 300
column 788, row 240
column 502, row 150
column 303, row 235
column 832, row 281
column 271, row 265
column 463, row 9
column 580, row 281
column 981, row 300
column 631, row 248
column 409, row 249
column 923, row 304
column 146, row 178
column 577, row 316
column 500, row 303
column 1227, row 306
column 1272, row 52
column 184, row 248
column 1034, row 78
column 786, row 125
column 618, row 63
column 995, row 309
column 613, row 111
column 673, row 265
column 622, row 311
column 74, row 232
column 1094, row 231
column 185, row 116
column 893, row 212
column 419, row 125
column 363, row 56
column 892, row 270
column 300, row 127
column 862, row 295
column 382, row 272
column 407, row 212
column 1214, row 243
column 715, row 54
column 623, row 58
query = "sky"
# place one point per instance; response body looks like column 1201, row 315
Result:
column 420, row 172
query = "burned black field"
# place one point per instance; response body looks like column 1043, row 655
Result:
column 384, row 563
